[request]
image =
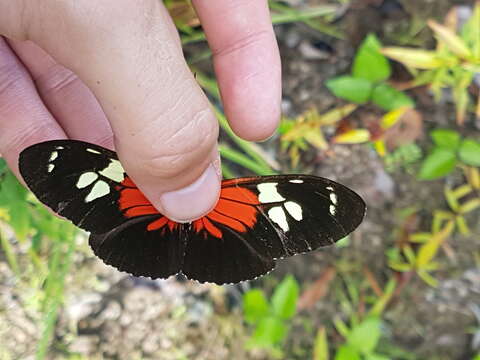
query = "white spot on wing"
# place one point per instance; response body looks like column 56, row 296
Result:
column 277, row 215
column 114, row 171
column 269, row 193
column 329, row 188
column 86, row 179
column 296, row 181
column 333, row 198
column 333, row 209
column 53, row 155
column 99, row 190
column 50, row 167
column 93, row 151
column 294, row 210
column 59, row 147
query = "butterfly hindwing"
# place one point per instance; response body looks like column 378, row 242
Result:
column 141, row 248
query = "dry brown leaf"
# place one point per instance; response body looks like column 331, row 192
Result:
column 317, row 290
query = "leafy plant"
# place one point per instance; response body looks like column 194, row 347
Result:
column 462, row 200
column 50, row 244
column 403, row 157
column 367, row 82
column 307, row 130
column 453, row 64
column 270, row 317
column 449, row 150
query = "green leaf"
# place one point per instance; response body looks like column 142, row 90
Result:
column 389, row 98
column 438, row 163
column 270, row 331
column 284, row 299
column 364, row 337
column 469, row 152
column 255, row 306
column 352, row 89
column 346, row 352
column 369, row 63
column 446, row 138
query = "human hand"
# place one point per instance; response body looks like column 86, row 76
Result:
column 68, row 66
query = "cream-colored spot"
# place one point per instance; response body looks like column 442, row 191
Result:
column 296, row 181
column 53, row 155
column 86, row 179
column 59, row 147
column 333, row 198
column 333, row 209
column 93, row 151
column 114, row 171
column 294, row 210
column 50, row 167
column 99, row 190
column 277, row 215
column 269, row 193
column 329, row 188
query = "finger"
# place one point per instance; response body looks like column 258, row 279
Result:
column 66, row 96
column 247, row 63
column 24, row 120
column 128, row 54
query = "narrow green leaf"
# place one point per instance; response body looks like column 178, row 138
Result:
column 284, row 298
column 255, row 306
column 320, row 350
column 439, row 163
column 369, row 63
column 389, row 98
column 446, row 138
column 352, row 89
column 469, row 152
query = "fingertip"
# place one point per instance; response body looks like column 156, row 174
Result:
column 193, row 201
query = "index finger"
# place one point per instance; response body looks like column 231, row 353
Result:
column 247, row 63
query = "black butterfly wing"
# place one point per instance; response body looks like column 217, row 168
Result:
column 145, row 246
column 77, row 180
column 258, row 220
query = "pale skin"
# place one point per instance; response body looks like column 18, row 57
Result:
column 112, row 72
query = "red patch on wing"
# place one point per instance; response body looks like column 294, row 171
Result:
column 235, row 209
column 133, row 203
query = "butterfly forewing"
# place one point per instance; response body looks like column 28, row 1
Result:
column 77, row 180
column 266, row 218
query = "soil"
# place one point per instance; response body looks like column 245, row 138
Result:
column 111, row 315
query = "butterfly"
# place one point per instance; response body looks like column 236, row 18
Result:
column 256, row 221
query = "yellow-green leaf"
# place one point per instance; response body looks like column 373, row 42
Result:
column 454, row 43
column 320, row 351
column 428, row 251
column 356, row 136
column 469, row 206
column 415, row 58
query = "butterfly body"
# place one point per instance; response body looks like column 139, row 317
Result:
column 256, row 221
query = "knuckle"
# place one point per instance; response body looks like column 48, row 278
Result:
column 241, row 43
column 177, row 151
column 57, row 79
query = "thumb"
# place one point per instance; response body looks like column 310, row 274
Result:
column 129, row 55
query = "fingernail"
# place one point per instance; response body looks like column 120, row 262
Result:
column 195, row 200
